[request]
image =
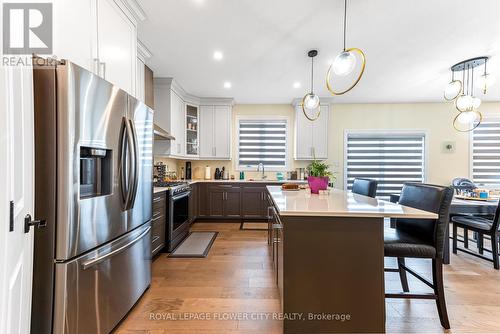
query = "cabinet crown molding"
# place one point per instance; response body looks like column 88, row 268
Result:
column 143, row 52
column 134, row 8
column 171, row 83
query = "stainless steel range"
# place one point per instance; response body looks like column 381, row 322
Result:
column 177, row 212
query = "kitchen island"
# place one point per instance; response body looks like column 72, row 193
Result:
column 329, row 258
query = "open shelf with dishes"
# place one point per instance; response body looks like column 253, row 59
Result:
column 192, row 147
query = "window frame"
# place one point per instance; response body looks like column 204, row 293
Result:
column 493, row 118
column 388, row 132
column 254, row 118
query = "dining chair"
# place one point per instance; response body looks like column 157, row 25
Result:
column 366, row 187
column 423, row 239
column 483, row 227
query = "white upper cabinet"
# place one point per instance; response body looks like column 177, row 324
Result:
column 201, row 127
column 222, row 130
column 75, row 31
column 117, row 46
column 207, row 131
column 100, row 36
column 311, row 137
column 215, row 132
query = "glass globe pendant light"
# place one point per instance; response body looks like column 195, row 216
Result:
column 310, row 101
column 453, row 89
column 345, row 62
column 486, row 80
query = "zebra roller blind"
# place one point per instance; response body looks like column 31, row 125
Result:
column 262, row 141
column 392, row 159
column 486, row 153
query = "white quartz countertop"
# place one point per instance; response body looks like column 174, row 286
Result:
column 339, row 203
column 258, row 181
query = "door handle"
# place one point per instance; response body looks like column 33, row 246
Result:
column 135, row 164
column 28, row 222
column 103, row 258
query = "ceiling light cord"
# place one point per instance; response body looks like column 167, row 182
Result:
column 345, row 20
column 312, row 75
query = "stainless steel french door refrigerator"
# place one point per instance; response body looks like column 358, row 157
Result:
column 93, row 185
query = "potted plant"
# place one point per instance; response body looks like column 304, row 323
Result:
column 319, row 176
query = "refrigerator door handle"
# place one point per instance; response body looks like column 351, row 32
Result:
column 123, row 163
column 97, row 260
column 127, row 172
column 135, row 180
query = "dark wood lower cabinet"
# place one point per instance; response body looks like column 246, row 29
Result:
column 158, row 223
column 233, row 200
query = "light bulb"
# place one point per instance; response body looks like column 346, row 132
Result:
column 452, row 89
column 311, row 101
column 476, row 102
column 485, row 81
column 468, row 117
column 344, row 63
column 464, row 102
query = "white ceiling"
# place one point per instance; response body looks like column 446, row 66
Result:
column 409, row 45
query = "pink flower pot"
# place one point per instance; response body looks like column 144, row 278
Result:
column 317, row 183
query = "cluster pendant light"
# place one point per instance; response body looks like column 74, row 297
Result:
column 310, row 101
column 345, row 62
column 461, row 92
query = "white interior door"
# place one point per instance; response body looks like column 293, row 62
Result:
column 17, row 185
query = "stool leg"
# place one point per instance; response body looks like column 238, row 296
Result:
column 480, row 243
column 466, row 238
column 437, row 277
column 494, row 251
column 402, row 274
column 455, row 238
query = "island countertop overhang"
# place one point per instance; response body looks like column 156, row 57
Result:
column 339, row 203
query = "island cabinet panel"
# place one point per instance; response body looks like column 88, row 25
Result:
column 316, row 275
column 158, row 224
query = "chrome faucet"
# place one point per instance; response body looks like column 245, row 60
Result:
column 258, row 169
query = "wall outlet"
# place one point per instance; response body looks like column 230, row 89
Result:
column 448, row 147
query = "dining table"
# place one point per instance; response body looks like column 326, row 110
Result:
column 461, row 206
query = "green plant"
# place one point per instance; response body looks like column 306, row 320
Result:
column 318, row 168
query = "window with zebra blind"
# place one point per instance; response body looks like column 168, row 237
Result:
column 262, row 141
column 390, row 158
column 486, row 153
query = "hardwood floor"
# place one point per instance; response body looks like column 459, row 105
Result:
column 237, row 279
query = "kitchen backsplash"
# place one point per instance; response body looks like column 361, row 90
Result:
column 198, row 167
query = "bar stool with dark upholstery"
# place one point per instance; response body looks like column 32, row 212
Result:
column 421, row 238
column 366, row 187
column 483, row 227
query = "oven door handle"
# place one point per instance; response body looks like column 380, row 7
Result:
column 177, row 197
column 97, row 260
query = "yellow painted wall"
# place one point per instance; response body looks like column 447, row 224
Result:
column 433, row 118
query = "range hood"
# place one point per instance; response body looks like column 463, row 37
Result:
column 161, row 134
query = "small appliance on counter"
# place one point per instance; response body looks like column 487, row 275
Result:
column 208, row 173
column 217, row 174
column 188, row 170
